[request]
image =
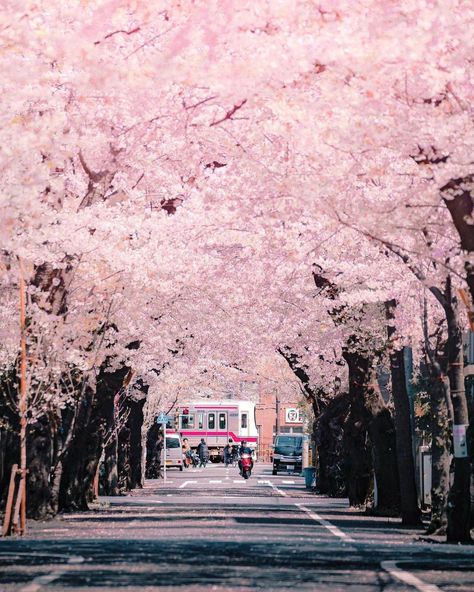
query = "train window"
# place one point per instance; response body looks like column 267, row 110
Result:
column 200, row 421
column 187, row 421
column 211, row 421
column 222, row 421
column 244, row 421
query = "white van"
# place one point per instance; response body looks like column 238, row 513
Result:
column 174, row 451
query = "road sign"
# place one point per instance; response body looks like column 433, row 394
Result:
column 163, row 418
column 292, row 415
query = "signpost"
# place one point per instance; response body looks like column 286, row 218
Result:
column 293, row 415
column 163, row 419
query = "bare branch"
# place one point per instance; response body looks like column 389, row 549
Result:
column 229, row 114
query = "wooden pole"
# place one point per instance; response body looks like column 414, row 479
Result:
column 95, row 485
column 23, row 402
column 10, row 498
column 17, row 512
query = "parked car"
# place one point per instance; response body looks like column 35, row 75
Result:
column 174, row 451
column 288, row 453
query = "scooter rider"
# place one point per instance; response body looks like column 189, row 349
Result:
column 244, row 449
column 228, row 453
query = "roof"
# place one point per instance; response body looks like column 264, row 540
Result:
column 224, row 403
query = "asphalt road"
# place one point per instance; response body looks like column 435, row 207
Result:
column 208, row 529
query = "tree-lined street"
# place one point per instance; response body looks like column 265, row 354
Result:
column 208, row 529
column 227, row 222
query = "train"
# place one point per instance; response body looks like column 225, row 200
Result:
column 217, row 422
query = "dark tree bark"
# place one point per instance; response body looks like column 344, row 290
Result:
column 369, row 413
column 458, row 197
column 459, row 499
column 316, row 397
column 440, row 449
column 358, row 451
column 110, row 481
column 330, row 441
column 39, row 458
column 154, row 446
column 9, row 432
column 358, row 466
column 130, row 450
column 410, row 511
column 94, row 426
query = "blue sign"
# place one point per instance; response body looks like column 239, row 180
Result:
column 163, row 418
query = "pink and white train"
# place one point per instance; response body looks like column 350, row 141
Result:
column 217, row 422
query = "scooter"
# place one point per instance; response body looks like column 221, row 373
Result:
column 191, row 459
column 246, row 464
column 195, row 460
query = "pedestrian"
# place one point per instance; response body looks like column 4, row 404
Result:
column 203, row 452
column 228, row 453
column 186, row 452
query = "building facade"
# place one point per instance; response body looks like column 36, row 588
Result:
column 272, row 417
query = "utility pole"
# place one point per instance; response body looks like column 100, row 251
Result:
column 163, row 427
column 277, row 409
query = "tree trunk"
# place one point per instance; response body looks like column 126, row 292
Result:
column 154, row 445
column 9, row 432
column 358, row 456
column 81, row 459
column 94, row 426
column 411, row 515
column 110, row 484
column 358, row 467
column 130, row 449
column 329, row 437
column 440, row 449
column 458, row 197
column 369, row 412
column 459, row 502
column 410, row 511
column 382, row 435
column 39, row 464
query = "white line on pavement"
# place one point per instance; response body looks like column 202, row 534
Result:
column 288, row 482
column 275, row 488
column 237, row 481
column 215, row 480
column 40, row 581
column 332, row 529
column 183, row 485
column 404, row 576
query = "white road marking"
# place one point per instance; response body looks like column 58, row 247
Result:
column 404, row 576
column 275, row 488
column 288, row 482
column 183, row 485
column 215, row 480
column 332, row 529
column 54, row 530
column 40, row 581
column 237, row 480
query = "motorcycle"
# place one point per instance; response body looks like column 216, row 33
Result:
column 191, row 459
column 246, row 464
